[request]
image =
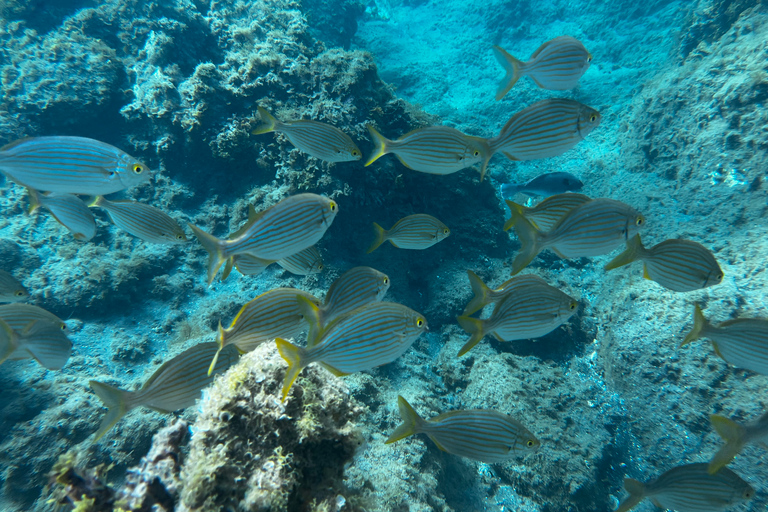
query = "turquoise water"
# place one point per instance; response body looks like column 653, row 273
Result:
column 681, row 88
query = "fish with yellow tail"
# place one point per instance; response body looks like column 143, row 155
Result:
column 591, row 229
column 478, row 434
column 292, row 225
column 485, row 295
column 434, row 150
column 736, row 437
column 141, row 220
column 320, row 140
column 741, row 342
column 177, row 384
column 419, row 231
column 69, row 210
column 532, row 310
column 11, row 290
column 689, row 488
column 556, row 65
column 679, row 265
column 367, row 337
column 544, row 215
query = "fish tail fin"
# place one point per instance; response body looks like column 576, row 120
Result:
column 293, row 355
column 411, row 422
column 269, row 122
column 516, row 211
column 228, row 268
column 475, row 327
column 34, row 200
column 481, row 291
column 380, row 143
column 115, row 400
column 313, row 316
column 508, row 190
column 530, row 241
column 633, row 252
column 215, row 248
column 381, row 237
column 512, row 66
column 699, row 323
column 733, row 435
column 7, row 341
column 636, row 492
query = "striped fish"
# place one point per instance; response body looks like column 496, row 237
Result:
column 290, row 226
column 742, row 342
column 418, row 231
column 485, row 295
column 689, row 488
column 680, row 265
column 370, row 336
column 317, row 139
column 272, row 314
column 68, row 210
column 248, row 265
column 545, row 129
column 548, row 212
column 177, row 384
column 142, row 220
column 591, row 229
column 70, row 165
column 533, row 310
column 479, row 434
column 433, row 150
column 19, row 316
column 357, row 287
column 303, row 263
column 11, row 290
column 42, row 341
column 557, row 65
column 736, row 437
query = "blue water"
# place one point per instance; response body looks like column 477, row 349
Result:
column 681, row 87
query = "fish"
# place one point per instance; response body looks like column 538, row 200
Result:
column 546, row 129
column 547, row 213
column 419, row 231
column 292, row 225
column 556, row 65
column 43, row 341
column 741, row 342
column 367, row 337
column 679, row 265
column 433, row 150
column 320, row 140
column 357, row 287
column 272, row 314
column 71, row 165
column 248, row 265
column 485, row 295
column 736, row 437
column 144, row 221
column 175, row 385
column 69, row 210
column 689, row 488
column 303, row 263
column 545, row 185
column 533, row 310
column 591, row 229
column 11, row 290
column 19, row 316
column 478, row 434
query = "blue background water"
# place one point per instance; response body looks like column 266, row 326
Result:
column 681, row 88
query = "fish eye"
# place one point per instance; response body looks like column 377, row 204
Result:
column 589, row 59
column 138, row 168
column 446, row 231
column 720, row 276
column 530, row 443
column 320, row 266
column 179, row 237
column 19, row 293
column 593, row 118
column 355, row 152
column 419, row 322
column 573, row 305
column 333, row 206
column 476, row 153
column 386, row 280
column 639, row 221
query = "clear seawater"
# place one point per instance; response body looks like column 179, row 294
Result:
column 681, row 88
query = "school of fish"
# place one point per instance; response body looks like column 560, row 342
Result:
column 352, row 328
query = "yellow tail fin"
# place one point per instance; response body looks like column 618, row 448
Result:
column 634, row 251
column 313, row 316
column 699, row 323
column 381, row 236
column 636, row 492
column 475, row 327
column 115, row 400
column 270, row 123
column 481, row 291
column 380, row 143
column 215, row 248
column 512, row 67
column 293, row 355
column 733, row 435
column 516, row 211
column 529, row 238
column 411, row 422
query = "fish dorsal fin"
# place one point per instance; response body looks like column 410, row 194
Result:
column 253, row 216
column 540, row 49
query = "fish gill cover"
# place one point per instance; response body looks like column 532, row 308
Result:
column 680, row 88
